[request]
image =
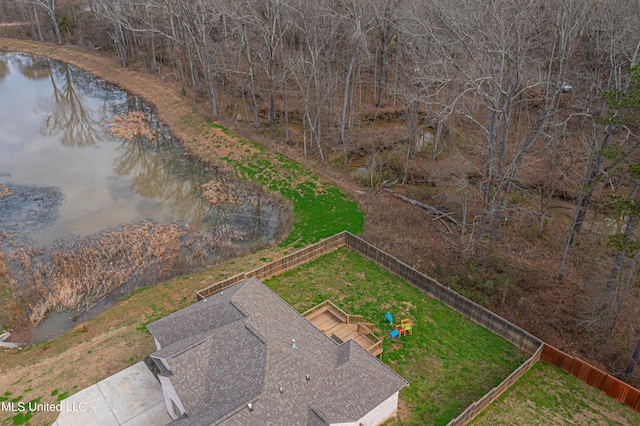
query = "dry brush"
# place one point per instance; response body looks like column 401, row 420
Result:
column 79, row 274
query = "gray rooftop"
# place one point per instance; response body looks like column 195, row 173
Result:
column 236, row 348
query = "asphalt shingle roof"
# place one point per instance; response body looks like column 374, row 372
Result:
column 236, row 348
column 196, row 319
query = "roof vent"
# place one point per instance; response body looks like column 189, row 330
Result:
column 293, row 344
column 250, row 407
column 281, row 391
column 307, row 378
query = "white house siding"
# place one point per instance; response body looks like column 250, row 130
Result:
column 378, row 415
column 170, row 394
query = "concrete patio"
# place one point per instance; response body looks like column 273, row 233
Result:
column 131, row 397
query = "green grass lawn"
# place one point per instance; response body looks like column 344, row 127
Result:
column 449, row 361
column 546, row 395
column 320, row 209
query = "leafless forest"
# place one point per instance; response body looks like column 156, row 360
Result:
column 516, row 121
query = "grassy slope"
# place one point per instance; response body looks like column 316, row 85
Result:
column 319, row 209
column 449, row 361
column 547, row 395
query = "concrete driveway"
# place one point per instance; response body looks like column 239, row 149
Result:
column 130, row 397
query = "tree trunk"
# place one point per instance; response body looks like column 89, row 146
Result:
column 272, row 96
column 585, row 197
column 252, row 87
column 211, row 89
column 385, row 39
column 56, row 28
column 345, row 97
column 287, row 135
column 633, row 362
column 195, row 80
column 413, row 125
column 592, row 180
column 35, row 13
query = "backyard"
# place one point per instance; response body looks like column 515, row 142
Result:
column 449, row 360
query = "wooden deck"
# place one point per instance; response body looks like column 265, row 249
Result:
column 341, row 326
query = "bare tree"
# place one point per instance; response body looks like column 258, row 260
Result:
column 605, row 309
column 268, row 23
column 356, row 20
column 49, row 7
column 312, row 64
column 633, row 362
column 199, row 19
column 385, row 12
column 490, row 63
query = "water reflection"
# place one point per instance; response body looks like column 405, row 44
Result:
column 149, row 167
column 67, row 115
column 107, row 181
column 4, row 69
column 34, row 70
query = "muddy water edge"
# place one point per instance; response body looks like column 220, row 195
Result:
column 88, row 214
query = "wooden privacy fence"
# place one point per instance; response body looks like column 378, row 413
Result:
column 477, row 407
column 500, row 326
column 592, row 376
column 278, row 266
column 455, row 301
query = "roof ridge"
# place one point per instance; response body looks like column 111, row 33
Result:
column 199, row 339
column 293, row 309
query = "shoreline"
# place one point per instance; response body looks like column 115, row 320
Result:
column 53, row 293
column 117, row 337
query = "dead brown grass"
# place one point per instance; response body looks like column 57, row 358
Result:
column 3, row 265
column 108, row 343
column 5, row 191
column 218, row 192
column 83, row 273
column 128, row 126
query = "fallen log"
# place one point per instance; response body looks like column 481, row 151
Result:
column 434, row 211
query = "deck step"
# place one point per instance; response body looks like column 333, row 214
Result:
column 332, row 322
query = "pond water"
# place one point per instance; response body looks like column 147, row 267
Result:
column 53, row 139
column 64, row 176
